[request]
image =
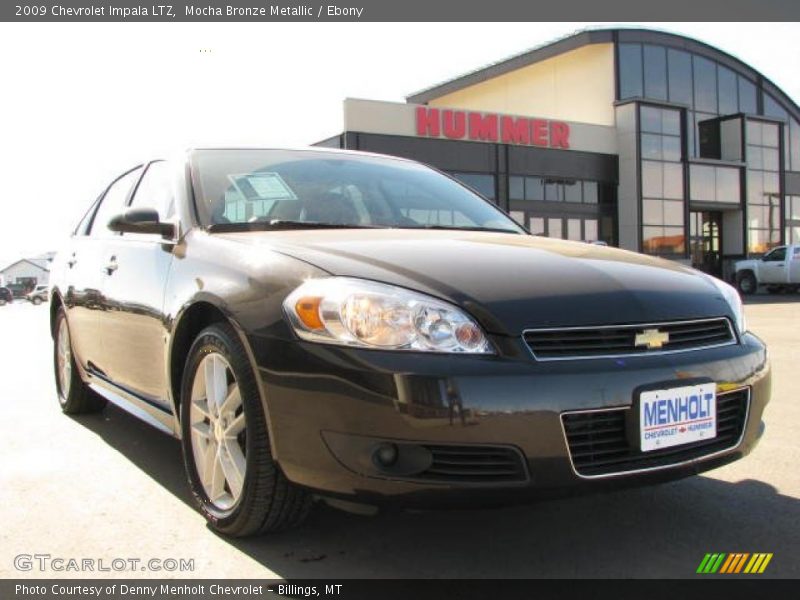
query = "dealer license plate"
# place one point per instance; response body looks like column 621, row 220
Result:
column 675, row 416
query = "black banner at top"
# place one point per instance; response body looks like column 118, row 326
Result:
column 405, row 10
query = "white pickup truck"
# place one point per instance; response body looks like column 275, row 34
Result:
column 778, row 270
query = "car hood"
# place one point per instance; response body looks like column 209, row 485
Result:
column 509, row 282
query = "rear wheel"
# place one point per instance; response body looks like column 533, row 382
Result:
column 239, row 487
column 73, row 395
column 746, row 282
column 37, row 301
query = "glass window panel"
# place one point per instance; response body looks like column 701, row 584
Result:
column 728, row 185
column 480, row 182
column 655, row 72
column 651, row 146
column 769, row 135
column 754, row 132
column 673, row 181
column 652, row 212
column 590, row 230
column 537, row 226
column 113, row 202
column 747, row 96
column 701, row 183
column 671, row 122
column 650, row 118
column 590, row 192
column 518, row 216
column 773, row 109
column 572, row 191
column 770, row 158
column 755, row 187
column 794, row 234
column 795, row 145
column 728, row 91
column 630, row 70
column 690, row 136
column 534, row 188
column 673, row 213
column 652, row 179
column 155, row 190
column 757, row 216
column 553, row 191
column 757, row 241
column 680, row 76
column 554, row 228
column 794, row 210
column 671, row 148
column 663, row 240
column 516, row 188
column 705, row 84
column 755, row 157
column 574, row 230
column 772, row 184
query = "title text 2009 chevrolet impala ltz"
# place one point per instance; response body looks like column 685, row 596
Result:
column 368, row 330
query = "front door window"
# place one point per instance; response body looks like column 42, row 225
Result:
column 705, row 231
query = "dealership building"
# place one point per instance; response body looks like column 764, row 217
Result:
column 646, row 140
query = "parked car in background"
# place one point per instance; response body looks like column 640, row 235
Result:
column 18, row 290
column 38, row 295
column 365, row 329
column 6, row 296
column 778, row 270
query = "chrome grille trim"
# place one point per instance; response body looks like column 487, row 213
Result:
column 679, row 463
column 732, row 338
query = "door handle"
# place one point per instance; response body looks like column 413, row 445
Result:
column 112, row 265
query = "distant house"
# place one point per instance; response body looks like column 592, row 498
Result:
column 29, row 272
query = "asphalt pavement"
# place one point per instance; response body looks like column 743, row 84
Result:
column 106, row 487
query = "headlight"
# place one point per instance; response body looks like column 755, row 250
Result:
column 356, row 312
column 734, row 300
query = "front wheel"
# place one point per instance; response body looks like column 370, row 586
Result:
column 73, row 395
column 37, row 301
column 746, row 282
column 239, row 487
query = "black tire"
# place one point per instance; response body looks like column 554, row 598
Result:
column 746, row 283
column 37, row 301
column 2, row 301
column 78, row 399
column 268, row 501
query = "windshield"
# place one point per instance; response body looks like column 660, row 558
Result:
column 241, row 189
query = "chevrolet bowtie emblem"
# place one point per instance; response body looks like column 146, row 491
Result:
column 652, row 338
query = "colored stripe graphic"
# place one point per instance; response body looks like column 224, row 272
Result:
column 731, row 560
column 734, row 563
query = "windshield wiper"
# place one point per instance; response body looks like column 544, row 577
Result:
column 284, row 224
column 456, row 228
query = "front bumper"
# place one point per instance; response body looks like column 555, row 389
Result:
column 328, row 407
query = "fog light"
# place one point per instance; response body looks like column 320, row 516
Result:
column 385, row 454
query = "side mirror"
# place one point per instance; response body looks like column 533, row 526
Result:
column 141, row 220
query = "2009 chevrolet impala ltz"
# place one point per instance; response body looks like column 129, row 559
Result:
column 360, row 328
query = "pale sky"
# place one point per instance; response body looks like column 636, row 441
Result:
column 81, row 103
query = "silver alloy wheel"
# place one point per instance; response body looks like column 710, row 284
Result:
column 217, row 424
column 64, row 360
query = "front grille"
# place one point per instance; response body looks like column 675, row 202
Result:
column 599, row 440
column 620, row 340
column 475, row 464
